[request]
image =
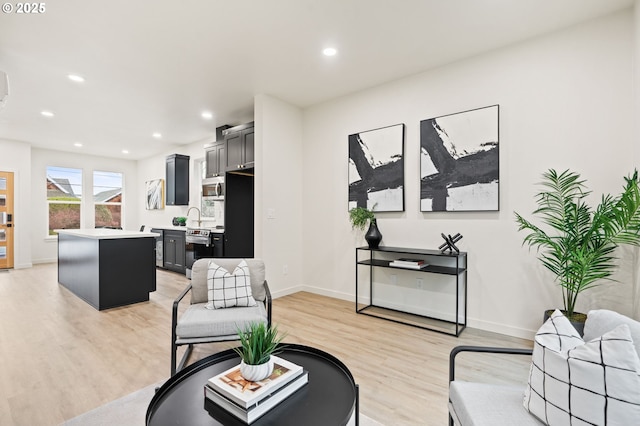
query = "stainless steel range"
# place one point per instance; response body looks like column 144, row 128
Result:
column 201, row 243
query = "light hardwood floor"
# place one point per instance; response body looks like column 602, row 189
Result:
column 59, row 357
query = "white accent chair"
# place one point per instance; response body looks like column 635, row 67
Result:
column 201, row 325
column 483, row 404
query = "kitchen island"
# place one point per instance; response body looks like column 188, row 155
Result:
column 107, row 267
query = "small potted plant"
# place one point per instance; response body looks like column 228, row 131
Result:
column 577, row 243
column 359, row 217
column 257, row 343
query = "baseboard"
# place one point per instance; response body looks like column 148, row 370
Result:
column 314, row 290
column 471, row 322
column 39, row 261
column 508, row 330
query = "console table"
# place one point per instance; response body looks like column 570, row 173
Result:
column 329, row 398
column 451, row 265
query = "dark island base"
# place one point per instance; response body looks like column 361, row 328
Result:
column 107, row 273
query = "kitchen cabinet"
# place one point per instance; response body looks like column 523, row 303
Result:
column 174, row 251
column 238, row 214
column 240, row 152
column 177, row 177
column 215, row 156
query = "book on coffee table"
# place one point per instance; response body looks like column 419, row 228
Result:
column 245, row 393
column 260, row 408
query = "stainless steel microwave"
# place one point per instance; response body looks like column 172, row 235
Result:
column 212, row 189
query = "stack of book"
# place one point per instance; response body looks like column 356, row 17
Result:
column 247, row 400
column 404, row 262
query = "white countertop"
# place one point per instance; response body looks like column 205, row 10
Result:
column 105, row 233
column 184, row 228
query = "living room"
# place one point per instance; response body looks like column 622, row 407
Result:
column 567, row 101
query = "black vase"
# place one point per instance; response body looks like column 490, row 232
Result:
column 373, row 235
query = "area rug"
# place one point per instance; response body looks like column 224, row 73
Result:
column 130, row 410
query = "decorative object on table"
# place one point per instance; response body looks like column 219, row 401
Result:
column 248, row 400
column 459, row 161
column 376, row 169
column 154, row 194
column 450, row 243
column 405, row 262
column 578, row 246
column 182, row 221
column 359, row 216
column 257, row 343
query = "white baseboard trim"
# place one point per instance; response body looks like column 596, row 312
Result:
column 39, row 261
column 471, row 322
column 508, row 330
column 315, row 290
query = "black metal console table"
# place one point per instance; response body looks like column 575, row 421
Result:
column 451, row 264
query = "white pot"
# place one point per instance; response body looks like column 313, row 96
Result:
column 255, row 373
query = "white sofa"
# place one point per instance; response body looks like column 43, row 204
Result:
column 482, row 404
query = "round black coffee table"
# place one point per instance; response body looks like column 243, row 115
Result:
column 330, row 397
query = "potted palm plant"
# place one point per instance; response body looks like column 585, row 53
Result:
column 257, row 343
column 578, row 241
column 359, row 217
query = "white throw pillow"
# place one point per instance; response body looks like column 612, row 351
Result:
column 576, row 383
column 225, row 290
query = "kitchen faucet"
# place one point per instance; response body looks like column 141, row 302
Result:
column 198, row 210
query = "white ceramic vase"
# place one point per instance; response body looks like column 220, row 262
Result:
column 255, row 373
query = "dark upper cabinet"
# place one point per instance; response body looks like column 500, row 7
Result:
column 240, row 152
column 177, row 180
column 215, row 155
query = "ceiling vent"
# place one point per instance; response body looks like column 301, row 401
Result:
column 4, row 88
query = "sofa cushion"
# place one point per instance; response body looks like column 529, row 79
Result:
column 577, row 383
column 200, row 322
column 200, row 269
column 482, row 404
column 600, row 321
column 226, row 289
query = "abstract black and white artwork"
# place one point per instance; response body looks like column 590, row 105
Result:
column 459, row 167
column 376, row 169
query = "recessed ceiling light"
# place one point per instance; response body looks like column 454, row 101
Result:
column 330, row 51
column 78, row 144
column 207, row 115
column 157, row 135
column 76, row 78
column 124, row 151
column 47, row 113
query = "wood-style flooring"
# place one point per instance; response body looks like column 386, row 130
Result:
column 59, row 357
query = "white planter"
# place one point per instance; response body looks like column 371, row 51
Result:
column 254, row 373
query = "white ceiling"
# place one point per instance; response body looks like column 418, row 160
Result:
column 155, row 65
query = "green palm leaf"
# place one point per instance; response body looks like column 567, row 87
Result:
column 579, row 245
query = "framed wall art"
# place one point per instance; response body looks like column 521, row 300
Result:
column 154, row 194
column 459, row 161
column 376, row 169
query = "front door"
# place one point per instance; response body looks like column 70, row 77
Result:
column 6, row 220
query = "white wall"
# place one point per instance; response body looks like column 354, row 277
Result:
column 16, row 158
column 278, row 188
column 44, row 248
column 565, row 102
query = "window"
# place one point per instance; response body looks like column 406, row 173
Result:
column 107, row 198
column 64, row 196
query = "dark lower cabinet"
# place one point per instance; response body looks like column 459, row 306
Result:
column 174, row 251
